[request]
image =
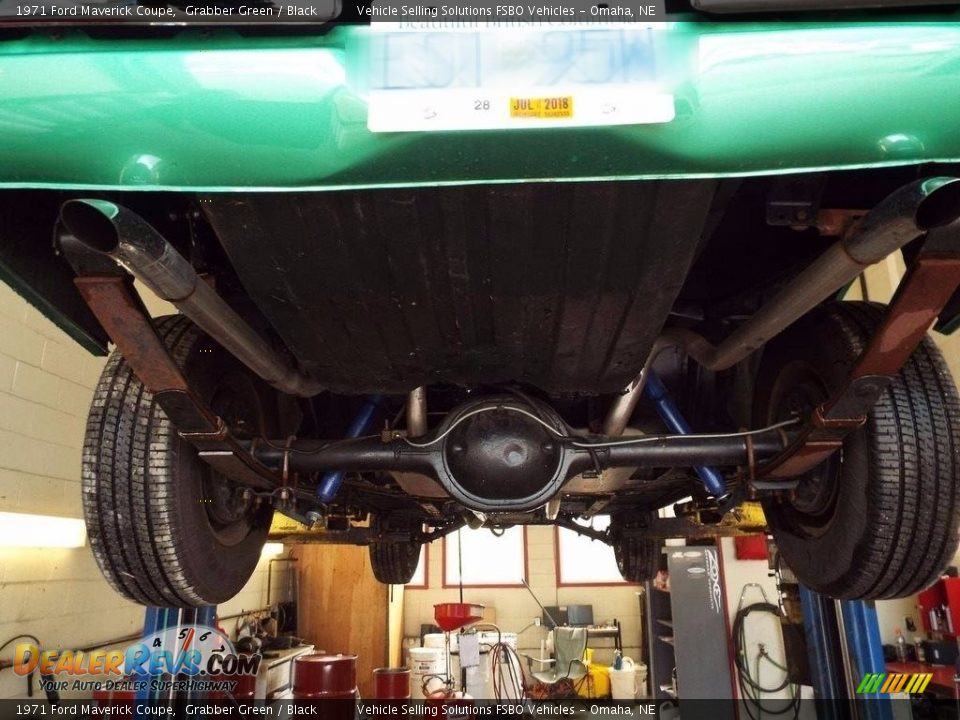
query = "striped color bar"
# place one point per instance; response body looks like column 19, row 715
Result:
column 914, row 683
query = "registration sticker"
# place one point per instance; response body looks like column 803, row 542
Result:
column 542, row 107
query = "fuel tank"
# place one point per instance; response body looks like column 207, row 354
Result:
column 564, row 286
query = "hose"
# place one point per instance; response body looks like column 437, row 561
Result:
column 30, row 674
column 508, row 684
column 503, row 656
column 751, row 687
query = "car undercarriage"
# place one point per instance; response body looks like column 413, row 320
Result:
column 394, row 365
column 389, row 350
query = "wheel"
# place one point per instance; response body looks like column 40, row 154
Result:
column 879, row 519
column 638, row 558
column 394, row 563
column 165, row 528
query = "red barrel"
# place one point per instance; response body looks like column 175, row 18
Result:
column 391, row 683
column 325, row 677
column 246, row 687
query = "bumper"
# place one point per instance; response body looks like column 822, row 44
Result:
column 222, row 112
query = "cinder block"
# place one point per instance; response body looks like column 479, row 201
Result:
column 10, row 488
column 32, row 383
column 11, row 304
column 92, row 367
column 90, row 595
column 37, row 321
column 18, row 452
column 29, row 418
column 25, row 565
column 542, row 576
column 13, row 598
column 61, row 462
column 74, row 399
column 64, row 361
column 48, row 496
column 72, row 564
column 8, row 367
column 540, row 553
column 20, row 342
column 539, row 535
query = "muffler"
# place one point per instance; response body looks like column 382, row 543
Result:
column 132, row 242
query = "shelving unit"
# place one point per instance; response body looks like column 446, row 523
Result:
column 679, row 619
column 661, row 661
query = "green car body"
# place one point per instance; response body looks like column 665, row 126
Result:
column 220, row 112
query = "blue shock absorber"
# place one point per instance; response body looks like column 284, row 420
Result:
column 331, row 481
column 673, row 419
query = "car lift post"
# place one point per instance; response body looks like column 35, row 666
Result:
column 157, row 619
column 843, row 645
column 865, row 654
column 826, row 663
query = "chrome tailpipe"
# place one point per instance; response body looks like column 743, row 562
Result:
column 132, row 242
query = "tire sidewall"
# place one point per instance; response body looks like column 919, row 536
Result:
column 219, row 569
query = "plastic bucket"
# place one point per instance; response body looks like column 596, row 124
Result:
column 504, row 666
column 425, row 662
column 641, row 680
column 438, row 640
column 598, row 682
column 623, row 684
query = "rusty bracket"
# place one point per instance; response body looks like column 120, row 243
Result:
column 928, row 285
column 128, row 325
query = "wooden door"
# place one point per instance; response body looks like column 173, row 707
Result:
column 343, row 609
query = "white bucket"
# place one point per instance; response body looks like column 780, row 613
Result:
column 641, row 679
column 623, row 682
column 423, row 663
column 489, row 638
column 480, row 681
column 437, row 640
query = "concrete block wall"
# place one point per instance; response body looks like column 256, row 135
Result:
column 516, row 609
column 46, row 384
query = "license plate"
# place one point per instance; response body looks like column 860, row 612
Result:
column 515, row 77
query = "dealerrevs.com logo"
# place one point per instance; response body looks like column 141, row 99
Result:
column 201, row 656
column 888, row 683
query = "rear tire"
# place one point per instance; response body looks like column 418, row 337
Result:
column 638, row 558
column 395, row 563
column 878, row 520
column 166, row 529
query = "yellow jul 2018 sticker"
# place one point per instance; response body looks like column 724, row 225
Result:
column 560, row 106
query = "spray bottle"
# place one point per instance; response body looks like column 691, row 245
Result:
column 901, row 646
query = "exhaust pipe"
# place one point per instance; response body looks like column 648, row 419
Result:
column 902, row 217
column 132, row 242
column 417, row 412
